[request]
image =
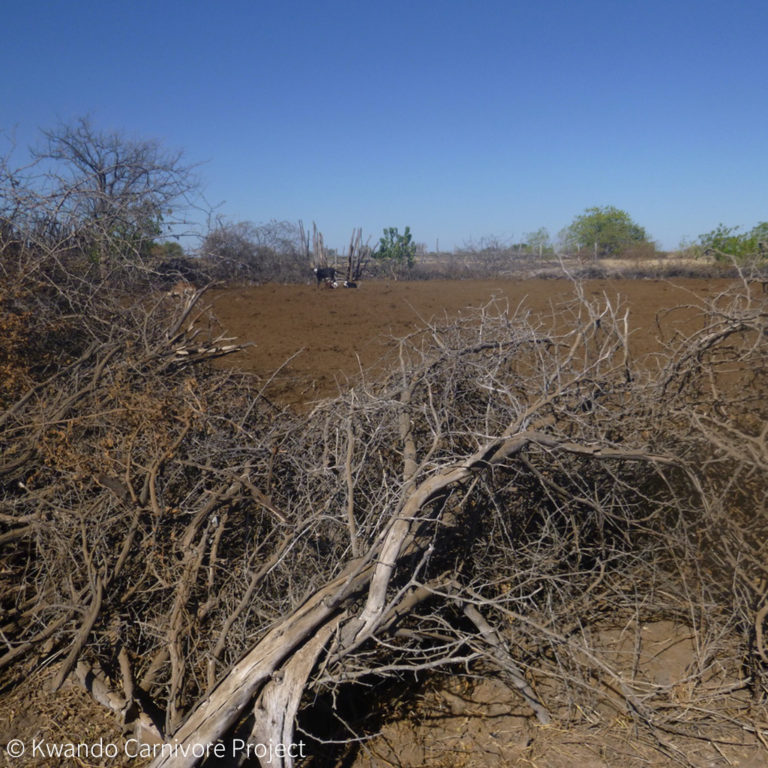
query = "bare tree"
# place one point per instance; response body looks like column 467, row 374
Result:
column 112, row 193
column 245, row 251
column 358, row 256
column 86, row 210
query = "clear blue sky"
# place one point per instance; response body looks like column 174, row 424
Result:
column 460, row 119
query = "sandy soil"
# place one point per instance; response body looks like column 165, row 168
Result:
column 315, row 341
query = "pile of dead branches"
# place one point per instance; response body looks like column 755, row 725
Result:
column 210, row 566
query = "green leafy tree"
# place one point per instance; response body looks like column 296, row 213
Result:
column 605, row 231
column 166, row 250
column 759, row 234
column 538, row 242
column 395, row 250
column 722, row 241
column 726, row 243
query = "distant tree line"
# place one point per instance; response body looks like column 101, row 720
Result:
column 727, row 243
column 114, row 208
column 247, row 252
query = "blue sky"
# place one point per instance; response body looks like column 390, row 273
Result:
column 463, row 120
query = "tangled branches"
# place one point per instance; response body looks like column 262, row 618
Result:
column 512, row 489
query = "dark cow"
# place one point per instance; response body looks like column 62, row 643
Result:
column 349, row 284
column 325, row 274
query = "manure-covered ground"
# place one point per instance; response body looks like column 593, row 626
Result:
column 316, row 341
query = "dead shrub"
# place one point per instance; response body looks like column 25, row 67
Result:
column 512, row 489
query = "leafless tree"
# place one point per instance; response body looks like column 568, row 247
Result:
column 113, row 193
column 84, row 213
column 358, row 256
column 246, row 252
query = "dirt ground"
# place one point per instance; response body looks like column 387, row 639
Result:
column 310, row 343
column 471, row 724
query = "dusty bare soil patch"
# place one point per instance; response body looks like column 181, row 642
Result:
column 315, row 341
column 45, row 722
column 471, row 723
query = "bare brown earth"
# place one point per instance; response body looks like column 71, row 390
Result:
column 467, row 723
column 310, row 343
